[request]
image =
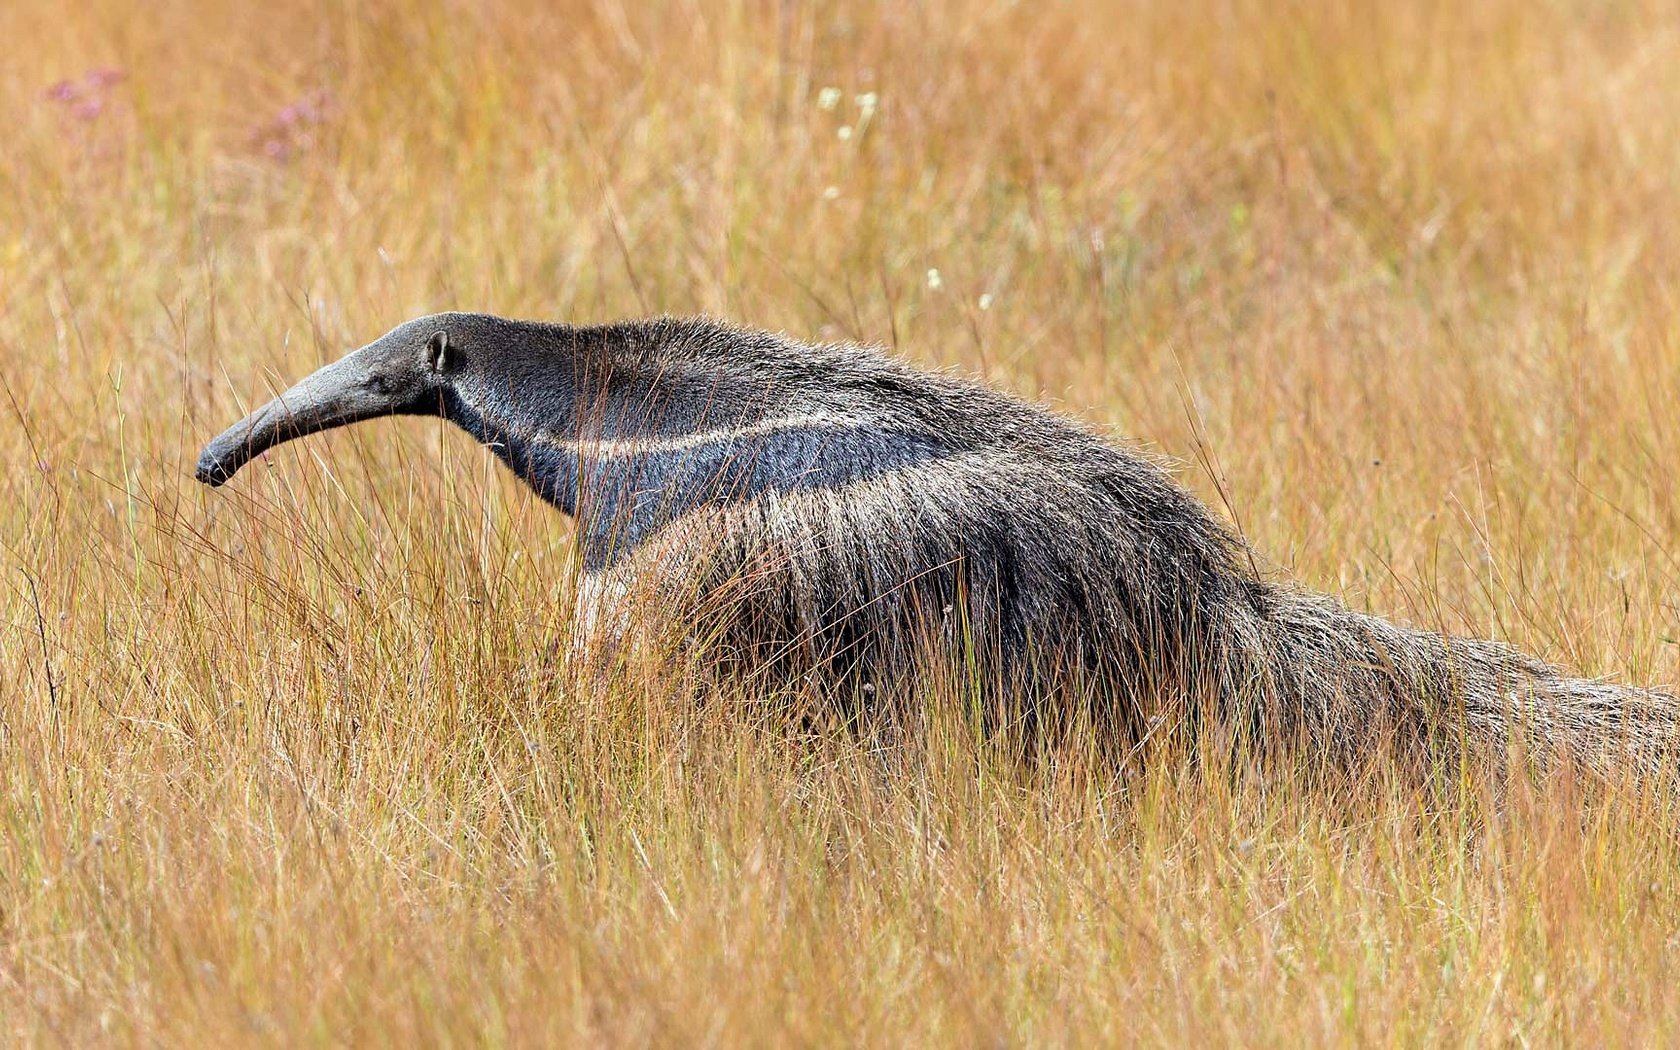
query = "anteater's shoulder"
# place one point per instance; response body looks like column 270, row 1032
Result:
column 860, row 380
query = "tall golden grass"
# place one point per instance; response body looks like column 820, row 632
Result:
column 293, row 762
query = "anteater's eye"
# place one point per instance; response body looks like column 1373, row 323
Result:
column 379, row 385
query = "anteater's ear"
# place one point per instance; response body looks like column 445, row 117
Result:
column 441, row 354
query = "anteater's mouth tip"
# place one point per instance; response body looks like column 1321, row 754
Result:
column 212, row 473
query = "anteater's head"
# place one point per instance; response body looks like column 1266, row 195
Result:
column 408, row 371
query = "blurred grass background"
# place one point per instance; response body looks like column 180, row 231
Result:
column 292, row 762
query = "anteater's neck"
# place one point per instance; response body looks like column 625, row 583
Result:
column 551, row 469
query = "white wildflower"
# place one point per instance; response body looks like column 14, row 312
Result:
column 831, row 193
column 829, row 97
column 935, row 282
column 845, row 132
column 867, row 101
column 985, row 300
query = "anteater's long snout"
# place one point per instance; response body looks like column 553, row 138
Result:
column 233, row 448
column 334, row 396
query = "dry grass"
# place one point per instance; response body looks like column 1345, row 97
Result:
column 287, row 763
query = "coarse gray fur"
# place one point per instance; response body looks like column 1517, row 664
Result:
column 829, row 513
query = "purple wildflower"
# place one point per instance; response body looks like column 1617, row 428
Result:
column 90, row 109
column 105, row 76
column 288, row 131
column 63, row 91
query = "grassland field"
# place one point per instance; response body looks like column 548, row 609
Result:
column 1395, row 285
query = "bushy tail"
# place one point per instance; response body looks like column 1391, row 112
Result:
column 1351, row 677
